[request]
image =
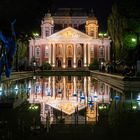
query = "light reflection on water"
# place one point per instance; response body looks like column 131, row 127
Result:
column 69, row 97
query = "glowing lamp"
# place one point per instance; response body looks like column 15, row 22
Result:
column 116, row 97
column 35, row 34
column 0, row 89
column 33, row 107
column 16, row 87
column 101, row 107
column 59, row 91
column 49, row 92
column 133, row 40
column 138, row 99
column 95, row 95
column 82, row 97
column 134, row 107
column 75, row 94
column 74, row 66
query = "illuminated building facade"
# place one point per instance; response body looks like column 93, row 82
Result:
column 69, row 40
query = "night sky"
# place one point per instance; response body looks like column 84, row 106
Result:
column 30, row 12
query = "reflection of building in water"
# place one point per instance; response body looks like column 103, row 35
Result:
column 67, row 93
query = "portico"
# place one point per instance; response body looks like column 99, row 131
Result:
column 70, row 49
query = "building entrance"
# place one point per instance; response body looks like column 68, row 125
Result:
column 79, row 63
column 69, row 63
column 59, row 64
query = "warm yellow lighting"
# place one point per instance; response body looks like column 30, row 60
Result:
column 36, row 34
column 64, row 66
column 100, row 34
column 134, row 107
column 33, row 107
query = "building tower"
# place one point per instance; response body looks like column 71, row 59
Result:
column 47, row 25
column 92, row 25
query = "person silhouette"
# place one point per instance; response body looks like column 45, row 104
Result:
column 8, row 49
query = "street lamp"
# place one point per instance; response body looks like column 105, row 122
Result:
column 34, row 66
column 133, row 40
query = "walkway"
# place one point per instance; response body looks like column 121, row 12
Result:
column 118, row 81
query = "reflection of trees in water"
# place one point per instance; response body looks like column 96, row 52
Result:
column 115, row 113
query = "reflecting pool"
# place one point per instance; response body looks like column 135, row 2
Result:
column 44, row 102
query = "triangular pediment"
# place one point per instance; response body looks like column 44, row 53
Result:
column 69, row 33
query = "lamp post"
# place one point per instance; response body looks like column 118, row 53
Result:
column 34, row 66
column 102, row 50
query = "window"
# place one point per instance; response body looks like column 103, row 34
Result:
column 101, row 52
column 59, row 52
column 69, row 51
column 37, row 52
column 47, row 33
column 46, row 51
column 65, row 25
column 92, row 32
column 75, row 25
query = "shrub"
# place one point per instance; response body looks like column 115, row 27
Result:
column 138, row 73
column 94, row 65
column 46, row 66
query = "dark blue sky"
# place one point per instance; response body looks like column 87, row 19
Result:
column 29, row 12
column 101, row 8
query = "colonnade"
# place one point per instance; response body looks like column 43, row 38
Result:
column 85, row 54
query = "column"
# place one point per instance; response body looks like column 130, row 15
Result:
column 74, row 57
column 53, row 85
column 89, row 85
column 34, row 49
column 85, row 88
column 64, row 56
column 108, row 53
column 43, row 108
column 30, row 52
column 64, row 87
column 85, row 85
column 105, row 52
column 49, row 47
column 85, row 56
column 53, row 63
column 89, row 46
column 74, row 86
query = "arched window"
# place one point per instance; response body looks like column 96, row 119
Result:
column 37, row 52
column 101, row 52
column 59, row 63
column 69, row 51
column 46, row 51
column 92, row 32
column 47, row 31
column 79, row 63
column 59, row 51
column 78, row 49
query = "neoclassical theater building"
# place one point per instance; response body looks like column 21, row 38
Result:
column 69, row 39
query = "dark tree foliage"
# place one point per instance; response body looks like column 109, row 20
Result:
column 123, row 25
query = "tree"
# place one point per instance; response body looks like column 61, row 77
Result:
column 124, row 29
column 20, row 60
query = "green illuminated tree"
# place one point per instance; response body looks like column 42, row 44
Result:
column 124, row 29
